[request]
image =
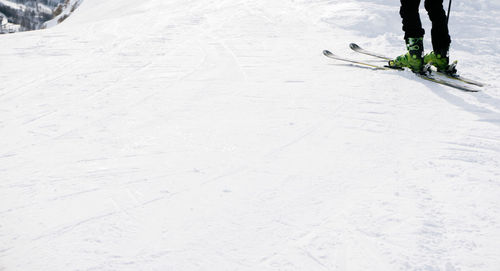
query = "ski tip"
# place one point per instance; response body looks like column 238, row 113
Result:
column 327, row 53
column 354, row 46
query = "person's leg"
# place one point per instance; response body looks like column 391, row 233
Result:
column 440, row 35
column 414, row 33
column 412, row 26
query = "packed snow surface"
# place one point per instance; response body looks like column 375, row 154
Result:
column 214, row 135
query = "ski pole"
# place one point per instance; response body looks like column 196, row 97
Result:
column 448, row 16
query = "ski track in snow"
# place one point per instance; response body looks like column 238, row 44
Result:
column 214, row 135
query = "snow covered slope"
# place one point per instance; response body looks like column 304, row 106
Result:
column 214, row 135
column 66, row 9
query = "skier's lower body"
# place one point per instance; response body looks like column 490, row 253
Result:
column 414, row 33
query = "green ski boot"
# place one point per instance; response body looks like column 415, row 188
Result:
column 413, row 58
column 438, row 60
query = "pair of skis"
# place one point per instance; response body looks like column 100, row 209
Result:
column 450, row 80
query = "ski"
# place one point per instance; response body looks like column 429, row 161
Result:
column 379, row 67
column 331, row 55
column 358, row 49
column 361, row 50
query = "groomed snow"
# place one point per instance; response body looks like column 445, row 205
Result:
column 214, row 135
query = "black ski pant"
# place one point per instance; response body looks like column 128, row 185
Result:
column 412, row 26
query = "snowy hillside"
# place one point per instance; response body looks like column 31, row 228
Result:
column 63, row 11
column 22, row 16
column 34, row 14
column 214, row 135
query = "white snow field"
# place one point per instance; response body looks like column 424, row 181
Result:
column 214, row 135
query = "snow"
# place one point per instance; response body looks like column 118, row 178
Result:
column 67, row 10
column 22, row 7
column 11, row 4
column 214, row 135
column 44, row 8
column 3, row 20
